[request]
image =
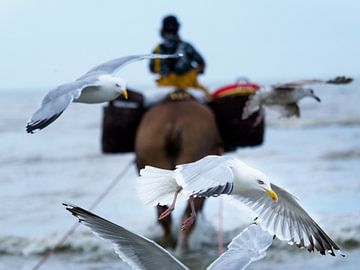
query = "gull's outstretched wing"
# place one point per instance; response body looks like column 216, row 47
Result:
column 247, row 247
column 209, row 176
column 253, row 104
column 295, row 84
column 115, row 64
column 55, row 103
column 302, row 83
column 288, row 220
column 137, row 251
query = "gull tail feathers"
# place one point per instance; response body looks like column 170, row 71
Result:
column 156, row 186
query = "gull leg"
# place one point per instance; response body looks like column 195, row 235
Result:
column 172, row 205
column 190, row 220
column 167, row 240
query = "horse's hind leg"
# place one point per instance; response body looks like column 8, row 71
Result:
column 167, row 240
column 183, row 239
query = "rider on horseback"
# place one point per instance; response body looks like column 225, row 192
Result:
column 181, row 72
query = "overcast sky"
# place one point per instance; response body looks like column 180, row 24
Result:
column 46, row 42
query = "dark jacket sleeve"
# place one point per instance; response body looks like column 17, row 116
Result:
column 191, row 59
column 195, row 56
column 159, row 66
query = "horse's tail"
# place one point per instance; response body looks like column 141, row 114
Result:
column 173, row 143
column 156, row 186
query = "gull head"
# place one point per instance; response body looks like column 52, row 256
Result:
column 114, row 84
column 120, row 87
column 310, row 93
column 250, row 179
column 266, row 186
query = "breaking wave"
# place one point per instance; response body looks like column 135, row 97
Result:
column 311, row 123
column 341, row 155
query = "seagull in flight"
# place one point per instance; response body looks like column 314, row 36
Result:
column 283, row 97
column 278, row 211
column 96, row 86
column 141, row 253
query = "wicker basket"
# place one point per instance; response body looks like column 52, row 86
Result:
column 120, row 121
column 227, row 105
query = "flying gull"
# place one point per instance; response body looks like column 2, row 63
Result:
column 282, row 97
column 278, row 211
column 96, row 86
column 141, row 253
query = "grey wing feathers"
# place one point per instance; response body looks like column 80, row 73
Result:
column 296, row 84
column 288, row 220
column 301, row 83
column 55, row 103
column 34, row 126
column 115, row 64
column 135, row 250
column 215, row 191
column 248, row 246
column 209, row 176
column 50, row 109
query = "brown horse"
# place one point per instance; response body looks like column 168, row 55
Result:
column 171, row 133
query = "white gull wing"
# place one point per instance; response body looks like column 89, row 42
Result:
column 138, row 252
column 55, row 102
column 112, row 66
column 296, row 84
column 254, row 102
column 247, row 247
column 209, row 176
column 257, row 100
column 302, row 83
column 287, row 220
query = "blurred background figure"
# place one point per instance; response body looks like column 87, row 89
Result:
column 182, row 72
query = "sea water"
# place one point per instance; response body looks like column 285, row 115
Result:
column 316, row 157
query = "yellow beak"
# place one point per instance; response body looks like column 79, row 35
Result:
column 272, row 194
column 124, row 93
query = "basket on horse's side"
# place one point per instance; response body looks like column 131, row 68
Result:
column 120, row 121
column 228, row 105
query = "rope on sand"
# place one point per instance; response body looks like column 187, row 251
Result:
column 74, row 227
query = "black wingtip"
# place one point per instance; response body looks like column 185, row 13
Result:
column 70, row 207
column 30, row 129
column 74, row 210
column 66, row 204
column 340, row 80
column 33, row 127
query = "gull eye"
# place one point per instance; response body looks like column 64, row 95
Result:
column 260, row 182
column 117, row 85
